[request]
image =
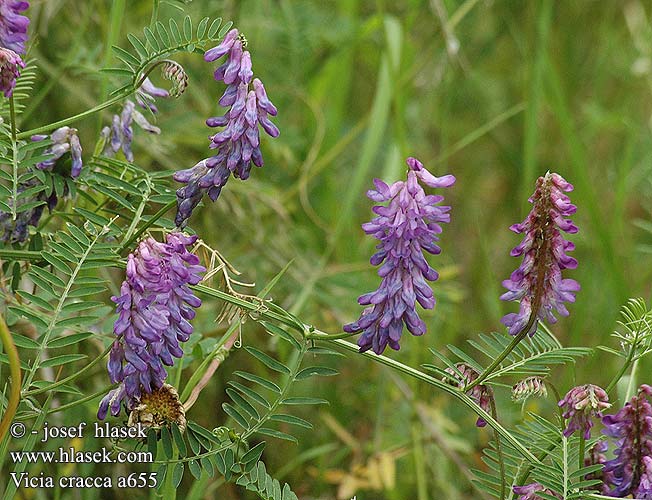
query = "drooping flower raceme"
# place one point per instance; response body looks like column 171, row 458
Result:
column 155, row 308
column 481, row 394
column 10, row 66
column 529, row 491
column 538, row 282
column 407, row 226
column 581, row 405
column 237, row 145
column 64, row 139
column 13, row 25
column 121, row 133
column 630, row 472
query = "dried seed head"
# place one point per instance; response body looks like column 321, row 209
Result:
column 159, row 409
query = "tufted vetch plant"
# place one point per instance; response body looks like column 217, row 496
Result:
column 136, row 347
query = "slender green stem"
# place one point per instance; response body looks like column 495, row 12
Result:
column 72, row 404
column 127, row 244
column 582, row 450
column 139, row 212
column 499, row 359
column 14, row 370
column 499, row 449
column 72, row 377
column 333, row 336
column 24, row 255
column 116, row 15
column 14, row 159
column 557, row 395
column 625, row 366
column 632, row 381
column 154, row 18
column 419, row 463
column 564, row 449
column 51, row 126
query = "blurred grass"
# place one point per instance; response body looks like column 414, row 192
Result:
column 494, row 92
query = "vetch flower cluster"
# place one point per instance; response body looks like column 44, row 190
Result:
column 581, row 405
column 13, row 25
column 237, row 145
column 481, row 394
column 155, row 308
column 630, row 472
column 10, row 66
column 121, row 133
column 64, row 139
column 538, row 281
column 13, row 35
column 407, row 226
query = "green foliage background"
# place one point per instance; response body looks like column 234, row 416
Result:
column 494, row 92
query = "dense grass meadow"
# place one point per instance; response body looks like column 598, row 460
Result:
column 495, row 92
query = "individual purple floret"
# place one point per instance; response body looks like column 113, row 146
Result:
column 581, row 405
column 64, row 140
column 10, row 65
column 406, row 227
column 13, row 25
column 481, row 394
column 155, row 308
column 529, row 491
column 238, row 144
column 630, row 472
column 146, row 94
column 538, row 283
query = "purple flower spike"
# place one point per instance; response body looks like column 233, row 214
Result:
column 581, row 405
column 407, row 226
column 155, row 308
column 237, row 145
column 630, row 472
column 13, row 25
column 529, row 491
column 538, row 282
column 10, row 66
